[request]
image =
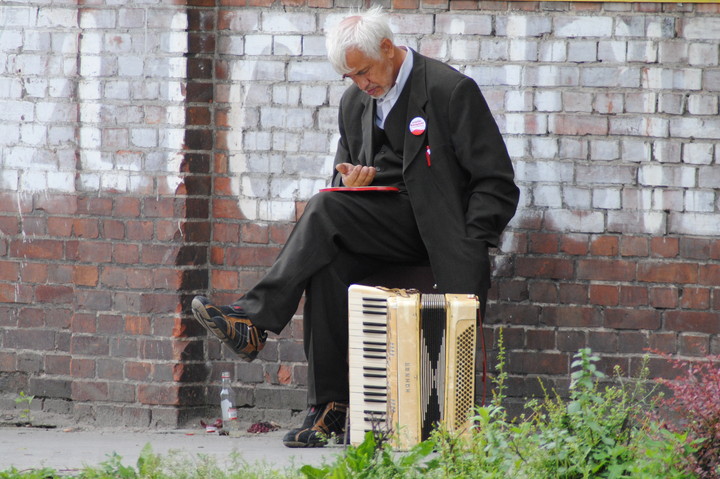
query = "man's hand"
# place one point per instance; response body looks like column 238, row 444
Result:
column 356, row 175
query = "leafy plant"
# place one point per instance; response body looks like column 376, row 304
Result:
column 24, row 400
column 696, row 401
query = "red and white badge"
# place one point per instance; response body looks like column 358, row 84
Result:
column 417, row 126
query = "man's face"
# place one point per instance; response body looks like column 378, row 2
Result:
column 373, row 76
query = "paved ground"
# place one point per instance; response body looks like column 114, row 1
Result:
column 70, row 449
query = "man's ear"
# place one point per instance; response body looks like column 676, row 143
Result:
column 387, row 47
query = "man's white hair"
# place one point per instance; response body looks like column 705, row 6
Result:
column 364, row 31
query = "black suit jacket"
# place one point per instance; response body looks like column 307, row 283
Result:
column 464, row 195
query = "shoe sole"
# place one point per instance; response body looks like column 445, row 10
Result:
column 203, row 317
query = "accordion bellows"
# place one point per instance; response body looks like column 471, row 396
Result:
column 412, row 362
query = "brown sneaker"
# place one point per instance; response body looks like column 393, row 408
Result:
column 231, row 325
column 320, row 423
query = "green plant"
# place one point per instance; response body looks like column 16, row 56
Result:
column 24, row 400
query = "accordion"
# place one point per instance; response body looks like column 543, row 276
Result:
column 411, row 362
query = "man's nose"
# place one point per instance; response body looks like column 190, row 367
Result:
column 361, row 82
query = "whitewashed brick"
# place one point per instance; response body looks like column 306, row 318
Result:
column 456, row 24
column 636, row 198
column 258, row 70
column 551, row 75
column 636, row 150
column 669, row 78
column 665, row 199
column 640, row 102
column 694, row 224
column 130, row 66
column 544, row 171
column 641, row 51
column 626, row 26
column 709, row 176
column 60, row 135
column 283, row 188
column 577, row 101
column 697, row 153
column 314, row 142
column 516, row 100
column 131, row 18
column 516, row 123
column 610, row 103
column 10, row 40
column 606, row 198
column 703, row 104
column 286, row 95
column 94, row 18
column 552, row 51
column 310, row 71
column 612, row 51
column 517, row 146
column 286, row 141
column 523, row 50
column 33, row 134
column 701, row 28
column 60, row 88
column 673, row 51
column 144, row 137
column 548, row 100
column 287, row 45
column 667, row 151
column 622, row 76
column 602, row 173
column 464, row 49
column 567, row 26
column 671, row 103
column 547, row 196
column 9, row 179
column 413, row 24
column 704, row 128
column 32, row 180
column 287, row 22
column 55, row 112
column 258, row 44
column 636, row 222
column 285, row 117
column 63, row 181
column 545, row 148
column 660, row 27
column 19, row 16
column 574, row 148
column 312, row 95
column 435, row 48
column 313, row 45
column 171, row 138
column 604, row 150
column 700, row 201
column 574, row 221
column 36, row 41
column 62, row 17
column 576, row 197
column 703, row 54
column 117, row 90
column 509, row 75
column 660, row 175
column 522, row 26
column 11, row 88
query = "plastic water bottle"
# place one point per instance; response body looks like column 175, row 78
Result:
column 227, row 401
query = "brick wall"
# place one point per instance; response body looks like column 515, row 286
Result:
column 151, row 150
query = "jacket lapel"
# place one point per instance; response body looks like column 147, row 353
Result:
column 416, row 109
column 368, row 118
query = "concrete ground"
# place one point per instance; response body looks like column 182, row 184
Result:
column 73, row 448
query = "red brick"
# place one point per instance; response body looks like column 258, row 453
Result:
column 676, row 273
column 36, row 249
column 695, row 298
column 574, row 244
column 606, row 270
column 632, row 341
column 94, row 206
column 160, row 207
column 85, row 228
column 280, row 233
column 110, row 323
column 543, row 243
column 137, row 371
column 603, row 341
column 578, row 124
column 9, row 271
column 572, row 293
column 571, row 316
column 89, row 346
column 224, row 280
column 82, row 368
column 694, row 345
column 33, row 273
column 56, row 204
column 159, row 303
column 709, row 274
column 509, row 290
column 83, row 391
column 113, row 229
column 548, row 268
column 34, row 339
column 540, row 339
column 139, row 230
column 634, row 246
column 715, row 249
column 223, row 208
column 90, row 251
column 60, row 273
column 604, row 295
column 59, row 227
column 31, row 318
column 604, row 246
column 159, row 394
column 663, row 341
column 570, row 340
column 59, row 318
column 665, row 247
column 695, row 248
column 251, row 256
column 226, row 233
column 633, row 296
column 632, row 318
column 692, row 321
column 57, row 364
column 138, row 325
column 85, row 275
column 171, row 231
column 254, row 233
column 110, row 369
column 159, row 254
column 537, row 363
column 54, row 294
column 9, row 225
column 126, row 253
column 127, row 207
column 664, row 298
column 542, row 291
column 14, row 203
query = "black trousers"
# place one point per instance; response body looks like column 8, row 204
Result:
column 340, row 239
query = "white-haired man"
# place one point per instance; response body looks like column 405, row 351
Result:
column 408, row 124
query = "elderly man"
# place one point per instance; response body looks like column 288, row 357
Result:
column 436, row 186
